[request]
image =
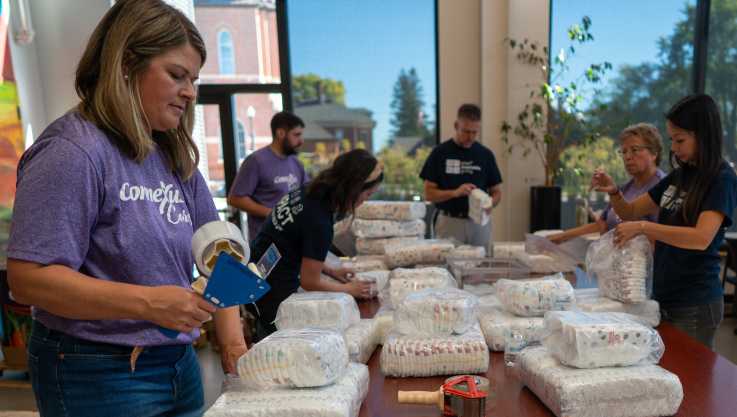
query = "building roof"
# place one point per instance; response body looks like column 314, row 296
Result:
column 314, row 131
column 332, row 112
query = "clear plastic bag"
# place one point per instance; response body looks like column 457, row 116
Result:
column 317, row 309
column 535, row 296
column 406, row 281
column 238, row 398
column 430, row 251
column 624, row 274
column 436, row 311
column 595, row 340
column 298, row 357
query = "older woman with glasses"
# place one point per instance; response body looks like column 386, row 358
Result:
column 642, row 151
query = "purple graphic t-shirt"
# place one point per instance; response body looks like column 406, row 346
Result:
column 630, row 192
column 83, row 204
column 266, row 177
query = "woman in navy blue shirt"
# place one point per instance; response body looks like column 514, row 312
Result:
column 301, row 228
column 696, row 202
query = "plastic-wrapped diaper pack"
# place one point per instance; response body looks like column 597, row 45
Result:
column 404, row 254
column 468, row 251
column 478, row 203
column 421, row 356
column 362, row 340
column 391, row 210
column 365, row 263
column 299, row 357
column 497, row 325
column 383, row 319
column 342, row 398
column 595, row 340
column 646, row 390
column 595, row 303
column 388, row 228
column 317, row 309
column 535, row 296
column 624, row 274
column 405, row 281
column 379, row 278
column 375, row 245
column 436, row 311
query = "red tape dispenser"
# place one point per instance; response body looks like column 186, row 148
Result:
column 453, row 402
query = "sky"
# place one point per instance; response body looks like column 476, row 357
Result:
column 366, row 44
column 624, row 31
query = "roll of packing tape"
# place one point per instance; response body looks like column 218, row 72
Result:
column 215, row 237
column 482, row 384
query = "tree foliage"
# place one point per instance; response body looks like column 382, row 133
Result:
column 401, row 173
column 555, row 117
column 409, row 118
column 304, row 88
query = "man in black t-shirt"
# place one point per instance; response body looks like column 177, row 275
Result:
column 453, row 169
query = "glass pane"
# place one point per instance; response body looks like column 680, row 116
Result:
column 650, row 47
column 209, row 142
column 252, row 56
column 721, row 72
column 366, row 86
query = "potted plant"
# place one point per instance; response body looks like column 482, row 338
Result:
column 553, row 119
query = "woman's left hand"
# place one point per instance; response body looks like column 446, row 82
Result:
column 229, row 356
column 626, row 231
column 359, row 289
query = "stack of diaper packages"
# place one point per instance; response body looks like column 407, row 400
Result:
column 523, row 303
column 602, row 364
column 539, row 264
column 435, row 332
column 403, row 281
column 623, row 274
column 333, row 310
column 295, row 372
column 468, row 251
column 425, row 251
column 378, row 223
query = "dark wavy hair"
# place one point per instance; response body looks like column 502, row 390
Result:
column 339, row 186
column 696, row 113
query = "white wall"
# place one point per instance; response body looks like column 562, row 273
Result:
column 486, row 72
column 44, row 69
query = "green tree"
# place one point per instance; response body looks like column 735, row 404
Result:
column 401, row 173
column 409, row 118
column 304, row 87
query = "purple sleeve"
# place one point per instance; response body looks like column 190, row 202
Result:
column 247, row 178
column 305, row 178
column 56, row 204
column 204, row 210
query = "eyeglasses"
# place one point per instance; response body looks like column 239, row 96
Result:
column 633, row 150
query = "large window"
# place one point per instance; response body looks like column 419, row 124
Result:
column 364, row 76
column 651, row 47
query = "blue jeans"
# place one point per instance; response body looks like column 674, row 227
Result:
column 75, row 377
column 700, row 322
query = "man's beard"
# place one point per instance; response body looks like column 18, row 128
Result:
column 288, row 149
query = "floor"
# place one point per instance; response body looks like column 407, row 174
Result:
column 16, row 394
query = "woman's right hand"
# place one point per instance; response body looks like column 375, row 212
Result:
column 603, row 182
column 359, row 289
column 178, row 308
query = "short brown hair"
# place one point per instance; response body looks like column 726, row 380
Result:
column 471, row 112
column 147, row 28
column 649, row 134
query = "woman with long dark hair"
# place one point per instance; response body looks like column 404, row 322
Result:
column 301, row 227
column 696, row 202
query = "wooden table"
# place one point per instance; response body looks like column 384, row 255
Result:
column 709, row 381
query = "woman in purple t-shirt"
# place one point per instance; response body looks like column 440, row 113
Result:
column 107, row 201
column 642, row 151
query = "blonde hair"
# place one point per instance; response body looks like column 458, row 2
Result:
column 649, row 134
column 147, row 28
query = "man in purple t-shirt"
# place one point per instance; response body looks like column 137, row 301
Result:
column 269, row 173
